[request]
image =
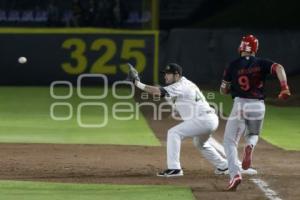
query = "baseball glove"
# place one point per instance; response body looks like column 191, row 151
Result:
column 132, row 74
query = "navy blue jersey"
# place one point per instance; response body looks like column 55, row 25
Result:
column 247, row 76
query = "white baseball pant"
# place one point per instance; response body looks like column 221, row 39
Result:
column 200, row 129
column 246, row 118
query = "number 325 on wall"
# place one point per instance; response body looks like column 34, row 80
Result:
column 131, row 49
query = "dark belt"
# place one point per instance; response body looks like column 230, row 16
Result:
column 209, row 111
column 206, row 112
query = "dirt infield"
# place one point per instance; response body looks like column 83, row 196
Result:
column 138, row 165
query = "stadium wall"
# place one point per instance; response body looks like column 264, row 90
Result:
column 205, row 53
column 64, row 54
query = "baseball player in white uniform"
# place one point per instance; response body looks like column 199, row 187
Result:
column 199, row 119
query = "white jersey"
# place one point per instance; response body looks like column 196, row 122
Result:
column 187, row 99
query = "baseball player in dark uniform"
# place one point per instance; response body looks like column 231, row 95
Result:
column 244, row 79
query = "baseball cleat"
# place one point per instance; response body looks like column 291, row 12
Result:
column 233, row 184
column 247, row 158
column 221, row 171
column 249, row 171
column 170, row 173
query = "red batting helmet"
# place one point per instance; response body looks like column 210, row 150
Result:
column 249, row 44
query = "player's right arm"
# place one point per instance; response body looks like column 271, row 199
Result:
column 225, row 87
column 154, row 90
column 226, row 82
column 134, row 77
column 171, row 90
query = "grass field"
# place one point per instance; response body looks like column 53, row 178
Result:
column 281, row 125
column 25, row 118
column 24, row 190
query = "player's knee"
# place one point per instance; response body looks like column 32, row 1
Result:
column 198, row 143
column 229, row 141
column 174, row 133
column 171, row 132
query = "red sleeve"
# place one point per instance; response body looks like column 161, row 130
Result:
column 273, row 68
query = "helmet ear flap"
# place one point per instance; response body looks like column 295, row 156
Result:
column 257, row 44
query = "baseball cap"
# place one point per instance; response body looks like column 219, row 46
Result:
column 172, row 68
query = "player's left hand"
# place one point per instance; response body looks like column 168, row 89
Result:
column 133, row 75
column 284, row 94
